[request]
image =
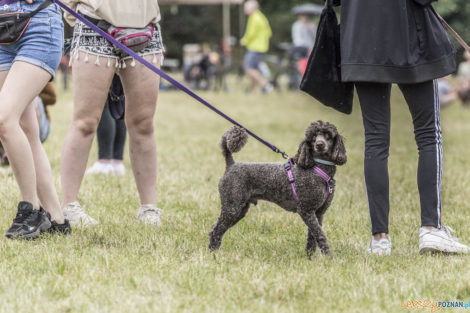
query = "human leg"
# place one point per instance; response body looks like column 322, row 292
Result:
column 20, row 85
column 91, row 85
column 119, row 143
column 375, row 105
column 251, row 64
column 105, row 136
column 141, row 90
column 423, row 102
column 44, row 179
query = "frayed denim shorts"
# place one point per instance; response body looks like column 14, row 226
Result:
column 42, row 42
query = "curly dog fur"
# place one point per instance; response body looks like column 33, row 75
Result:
column 244, row 184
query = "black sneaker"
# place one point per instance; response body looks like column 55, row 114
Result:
column 37, row 222
column 24, row 210
column 60, row 229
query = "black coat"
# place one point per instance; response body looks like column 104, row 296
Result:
column 393, row 41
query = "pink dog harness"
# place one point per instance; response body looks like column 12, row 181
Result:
column 330, row 182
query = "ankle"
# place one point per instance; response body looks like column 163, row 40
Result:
column 379, row 236
column 429, row 227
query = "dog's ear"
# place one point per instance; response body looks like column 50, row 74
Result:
column 339, row 151
column 304, row 156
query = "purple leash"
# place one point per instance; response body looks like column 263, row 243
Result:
column 166, row 76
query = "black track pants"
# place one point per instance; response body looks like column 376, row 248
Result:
column 423, row 103
column 111, row 137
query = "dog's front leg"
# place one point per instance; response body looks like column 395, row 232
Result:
column 310, row 219
column 311, row 245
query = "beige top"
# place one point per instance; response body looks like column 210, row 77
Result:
column 120, row 13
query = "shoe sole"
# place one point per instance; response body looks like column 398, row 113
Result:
column 434, row 250
column 42, row 228
column 11, row 235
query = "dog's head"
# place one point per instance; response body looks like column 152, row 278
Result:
column 321, row 141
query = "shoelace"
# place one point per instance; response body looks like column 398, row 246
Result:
column 32, row 216
column 449, row 231
column 21, row 216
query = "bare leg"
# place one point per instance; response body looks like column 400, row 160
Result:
column 20, row 86
column 141, row 90
column 257, row 77
column 44, row 179
column 91, row 86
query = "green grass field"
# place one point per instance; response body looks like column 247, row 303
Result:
column 121, row 266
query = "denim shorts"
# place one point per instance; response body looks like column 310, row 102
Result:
column 42, row 42
column 253, row 59
column 90, row 42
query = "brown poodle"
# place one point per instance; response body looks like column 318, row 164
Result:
column 244, row 184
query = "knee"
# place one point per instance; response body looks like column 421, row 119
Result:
column 86, row 127
column 377, row 147
column 140, row 126
column 6, row 126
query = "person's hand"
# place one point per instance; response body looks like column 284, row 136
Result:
column 29, row 1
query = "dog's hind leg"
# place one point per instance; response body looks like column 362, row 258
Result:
column 315, row 232
column 227, row 219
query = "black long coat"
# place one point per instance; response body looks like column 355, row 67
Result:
column 393, row 41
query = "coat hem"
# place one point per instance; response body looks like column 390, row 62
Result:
column 395, row 74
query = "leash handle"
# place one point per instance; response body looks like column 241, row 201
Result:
column 452, row 31
column 167, row 77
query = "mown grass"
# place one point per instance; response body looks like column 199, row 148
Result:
column 121, row 266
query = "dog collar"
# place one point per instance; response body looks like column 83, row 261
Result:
column 324, row 162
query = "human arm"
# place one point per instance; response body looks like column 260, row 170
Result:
column 250, row 32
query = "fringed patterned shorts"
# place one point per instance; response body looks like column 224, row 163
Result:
column 100, row 51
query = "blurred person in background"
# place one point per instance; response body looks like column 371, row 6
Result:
column 463, row 80
column 256, row 40
column 303, row 35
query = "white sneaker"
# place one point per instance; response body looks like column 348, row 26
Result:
column 149, row 214
column 76, row 215
column 383, row 246
column 440, row 240
column 118, row 168
column 100, row 168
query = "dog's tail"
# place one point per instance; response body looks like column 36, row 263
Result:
column 233, row 141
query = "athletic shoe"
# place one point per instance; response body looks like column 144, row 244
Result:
column 118, row 168
column 24, row 210
column 383, row 246
column 149, row 214
column 77, row 216
column 267, row 88
column 60, row 229
column 36, row 223
column 100, row 168
column 440, row 240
